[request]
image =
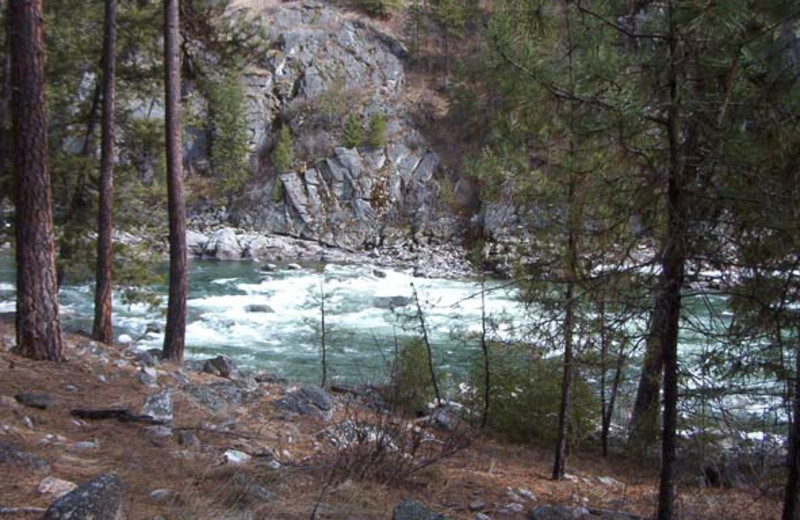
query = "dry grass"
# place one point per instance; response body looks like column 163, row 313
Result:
column 209, row 489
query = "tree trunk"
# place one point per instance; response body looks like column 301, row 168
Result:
column 793, row 459
column 5, row 94
column 673, row 264
column 559, row 466
column 175, row 333
column 102, row 330
column 644, row 418
column 487, row 386
column 573, row 223
column 37, row 320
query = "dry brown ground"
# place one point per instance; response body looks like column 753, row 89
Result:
column 210, row 489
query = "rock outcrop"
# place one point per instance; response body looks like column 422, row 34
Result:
column 323, row 66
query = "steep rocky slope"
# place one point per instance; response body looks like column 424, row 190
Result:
column 325, row 65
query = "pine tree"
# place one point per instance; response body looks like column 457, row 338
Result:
column 175, row 332
column 102, row 329
column 37, row 321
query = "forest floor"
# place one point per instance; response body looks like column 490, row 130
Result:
column 294, row 468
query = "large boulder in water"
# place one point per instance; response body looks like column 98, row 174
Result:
column 98, row 499
column 223, row 245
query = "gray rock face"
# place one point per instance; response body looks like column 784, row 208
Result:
column 305, row 401
column 351, row 198
column 98, row 499
column 158, row 406
column 411, row 510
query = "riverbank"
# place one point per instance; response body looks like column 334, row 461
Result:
column 233, row 445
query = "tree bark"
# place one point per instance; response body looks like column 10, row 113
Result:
column 5, row 95
column 37, row 321
column 644, row 418
column 175, row 333
column 102, row 329
column 793, row 459
column 573, row 224
column 673, row 265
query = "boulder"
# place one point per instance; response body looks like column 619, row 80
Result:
column 236, row 457
column 412, row 510
column 216, row 397
column 221, row 366
column 196, row 242
column 158, row 406
column 98, row 499
column 260, row 308
column 31, row 400
column 305, row 401
column 391, row 302
column 223, row 245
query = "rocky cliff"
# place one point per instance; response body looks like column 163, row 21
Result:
column 323, row 66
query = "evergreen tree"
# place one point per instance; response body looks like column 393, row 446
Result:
column 175, row 331
column 37, row 320
column 102, row 329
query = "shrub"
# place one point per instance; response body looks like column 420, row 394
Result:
column 380, row 8
column 351, row 132
column 283, row 154
column 376, row 447
column 525, row 396
column 229, row 136
column 410, row 387
column 332, row 103
column 376, row 133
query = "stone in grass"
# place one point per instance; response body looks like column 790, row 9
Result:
column 164, row 496
column 477, row 505
column 98, row 499
column 236, row 457
column 55, row 487
column 305, row 401
column 411, row 510
column 558, row 513
column 158, row 406
column 39, row 401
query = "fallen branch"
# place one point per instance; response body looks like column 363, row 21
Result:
column 120, row 414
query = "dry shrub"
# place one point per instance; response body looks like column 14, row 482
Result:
column 381, row 448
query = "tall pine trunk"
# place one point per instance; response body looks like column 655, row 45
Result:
column 673, row 264
column 644, row 417
column 37, row 320
column 571, row 268
column 178, row 281
column 102, row 329
column 793, row 459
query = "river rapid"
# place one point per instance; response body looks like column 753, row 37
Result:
column 271, row 320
